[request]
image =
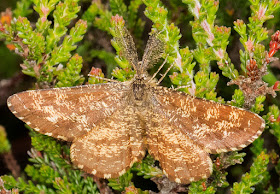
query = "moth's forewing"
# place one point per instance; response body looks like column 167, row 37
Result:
column 67, row 113
column 112, row 146
column 181, row 159
column 213, row 126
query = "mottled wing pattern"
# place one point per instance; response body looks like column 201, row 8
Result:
column 67, row 113
column 181, row 159
column 213, row 126
column 111, row 147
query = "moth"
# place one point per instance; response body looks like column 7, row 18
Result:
column 112, row 125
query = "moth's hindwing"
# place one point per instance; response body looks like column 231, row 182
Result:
column 111, row 147
column 181, row 159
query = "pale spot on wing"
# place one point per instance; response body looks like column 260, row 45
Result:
column 164, row 172
column 107, row 176
column 177, row 180
column 53, row 114
column 60, row 99
column 201, row 130
column 243, row 146
column 178, row 169
column 263, row 126
column 212, row 113
column 204, row 176
column 88, row 129
column 225, row 125
column 249, row 123
column 122, row 172
column 104, row 104
column 48, row 134
column 221, row 150
column 235, row 116
column 52, row 119
column 251, row 140
column 80, row 166
column 93, row 172
column 226, row 133
column 81, row 119
column 9, row 104
column 61, row 137
column 38, row 100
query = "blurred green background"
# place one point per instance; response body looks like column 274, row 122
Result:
column 9, row 61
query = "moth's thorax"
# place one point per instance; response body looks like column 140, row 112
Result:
column 140, row 89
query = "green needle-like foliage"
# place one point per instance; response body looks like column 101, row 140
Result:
column 5, row 145
column 70, row 76
column 255, row 176
column 199, row 187
column 122, row 182
column 51, row 171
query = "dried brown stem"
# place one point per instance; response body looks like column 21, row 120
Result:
column 12, row 164
column 166, row 186
column 253, row 85
column 102, row 185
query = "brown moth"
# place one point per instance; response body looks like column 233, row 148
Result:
column 112, row 125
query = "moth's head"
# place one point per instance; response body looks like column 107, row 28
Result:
column 142, row 76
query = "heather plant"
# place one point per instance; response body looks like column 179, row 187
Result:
column 222, row 51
